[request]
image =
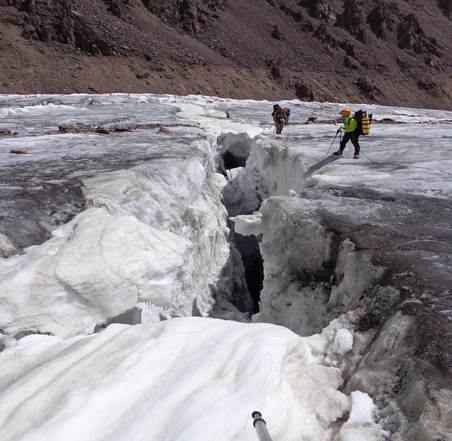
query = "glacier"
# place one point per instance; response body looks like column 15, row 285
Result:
column 114, row 236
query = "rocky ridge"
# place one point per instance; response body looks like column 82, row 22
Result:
column 386, row 52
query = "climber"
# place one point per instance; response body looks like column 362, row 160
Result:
column 280, row 117
column 352, row 133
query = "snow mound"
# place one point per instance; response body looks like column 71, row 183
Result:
column 190, row 379
column 343, row 342
column 360, row 425
column 247, row 225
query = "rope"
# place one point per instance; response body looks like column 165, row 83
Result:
column 385, row 163
column 394, row 163
column 405, row 165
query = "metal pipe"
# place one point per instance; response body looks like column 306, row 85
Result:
column 261, row 427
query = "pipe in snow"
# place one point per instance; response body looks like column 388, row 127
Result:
column 261, row 427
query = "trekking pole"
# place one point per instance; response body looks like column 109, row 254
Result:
column 334, row 141
column 261, row 427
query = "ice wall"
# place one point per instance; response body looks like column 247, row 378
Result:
column 154, row 234
column 311, row 276
column 363, row 242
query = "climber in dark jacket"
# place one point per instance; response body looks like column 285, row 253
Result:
column 280, row 118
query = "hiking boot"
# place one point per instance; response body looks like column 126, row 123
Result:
column 338, row 153
column 355, row 156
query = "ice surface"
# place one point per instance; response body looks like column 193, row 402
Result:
column 145, row 226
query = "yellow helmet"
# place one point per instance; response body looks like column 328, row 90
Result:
column 345, row 112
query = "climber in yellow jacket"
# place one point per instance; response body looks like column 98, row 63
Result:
column 352, row 133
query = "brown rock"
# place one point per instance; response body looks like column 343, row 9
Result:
column 276, row 33
column 410, row 35
column 351, row 19
column 66, row 128
column 102, row 130
column 429, row 86
column 379, row 19
column 303, row 92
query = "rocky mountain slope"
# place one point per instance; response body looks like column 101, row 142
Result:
column 391, row 52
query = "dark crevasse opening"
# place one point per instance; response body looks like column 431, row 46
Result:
column 231, row 161
column 248, row 247
column 234, row 152
column 130, row 317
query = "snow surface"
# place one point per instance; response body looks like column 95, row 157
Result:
column 189, row 379
column 153, row 235
column 360, row 424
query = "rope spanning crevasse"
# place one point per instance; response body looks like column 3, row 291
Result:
column 323, row 162
column 261, row 427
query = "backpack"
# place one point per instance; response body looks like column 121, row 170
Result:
column 363, row 120
column 286, row 112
